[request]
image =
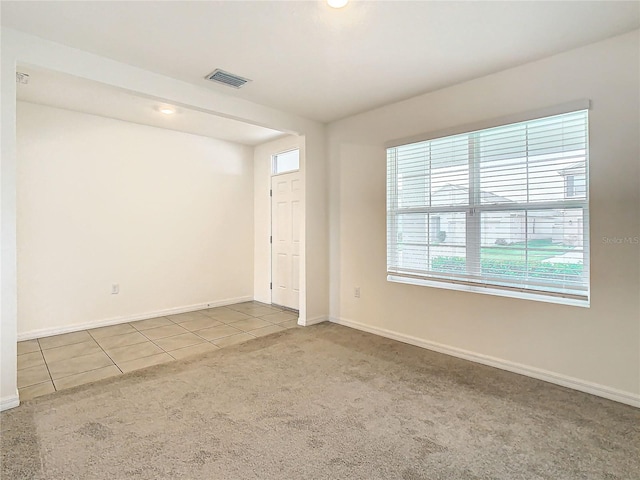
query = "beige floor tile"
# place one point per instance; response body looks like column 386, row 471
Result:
column 250, row 324
column 241, row 307
column 122, row 340
column 87, row 377
column 64, row 339
column 178, row 341
column 52, row 355
column 28, row 346
column 33, row 391
column 279, row 317
column 233, row 340
column 131, row 352
column 217, row 332
column 193, row 350
column 76, row 358
column 151, row 323
column 33, row 376
column 186, row 317
column 71, row 366
column 253, row 304
column 111, row 330
column 145, row 362
column 199, row 324
column 28, row 360
column 162, row 332
column 228, row 316
column 289, row 324
column 211, row 311
column 261, row 332
column 260, row 311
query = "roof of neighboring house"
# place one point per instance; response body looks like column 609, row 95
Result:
column 578, row 167
column 486, row 197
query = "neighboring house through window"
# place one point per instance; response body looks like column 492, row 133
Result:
column 575, row 180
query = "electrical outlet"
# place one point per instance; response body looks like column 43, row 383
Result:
column 115, row 289
column 356, row 292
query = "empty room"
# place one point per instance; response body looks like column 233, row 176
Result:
column 320, row 239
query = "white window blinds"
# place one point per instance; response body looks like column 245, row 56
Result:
column 504, row 207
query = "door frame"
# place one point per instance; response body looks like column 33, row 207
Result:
column 272, row 173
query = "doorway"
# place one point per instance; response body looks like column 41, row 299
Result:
column 286, row 195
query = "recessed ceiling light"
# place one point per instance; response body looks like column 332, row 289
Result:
column 167, row 110
column 337, row 3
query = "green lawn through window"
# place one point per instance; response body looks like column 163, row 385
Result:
column 538, row 250
column 511, row 261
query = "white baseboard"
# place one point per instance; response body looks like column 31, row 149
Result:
column 47, row 332
column 313, row 321
column 9, row 402
column 616, row 395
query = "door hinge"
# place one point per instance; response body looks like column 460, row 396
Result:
column 270, row 286
column 270, row 238
column 271, row 193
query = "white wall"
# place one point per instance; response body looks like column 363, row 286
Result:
column 314, row 292
column 595, row 349
column 262, row 211
column 166, row 215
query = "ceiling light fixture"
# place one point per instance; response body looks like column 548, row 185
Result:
column 167, row 110
column 337, row 3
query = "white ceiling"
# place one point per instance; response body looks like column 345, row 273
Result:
column 72, row 93
column 318, row 62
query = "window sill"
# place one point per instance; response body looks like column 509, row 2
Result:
column 490, row 291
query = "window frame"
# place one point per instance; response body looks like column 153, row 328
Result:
column 473, row 212
column 274, row 162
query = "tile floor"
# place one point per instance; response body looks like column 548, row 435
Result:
column 49, row 364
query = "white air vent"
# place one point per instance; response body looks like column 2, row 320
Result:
column 226, row 78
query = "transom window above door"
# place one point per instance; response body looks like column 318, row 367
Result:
column 286, row 162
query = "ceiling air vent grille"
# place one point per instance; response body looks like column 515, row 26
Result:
column 226, row 78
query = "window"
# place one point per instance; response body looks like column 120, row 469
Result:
column 286, row 162
column 499, row 210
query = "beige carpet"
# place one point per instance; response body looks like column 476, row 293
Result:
column 323, row 402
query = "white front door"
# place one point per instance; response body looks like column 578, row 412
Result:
column 285, row 247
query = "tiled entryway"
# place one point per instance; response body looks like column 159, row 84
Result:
column 53, row 363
